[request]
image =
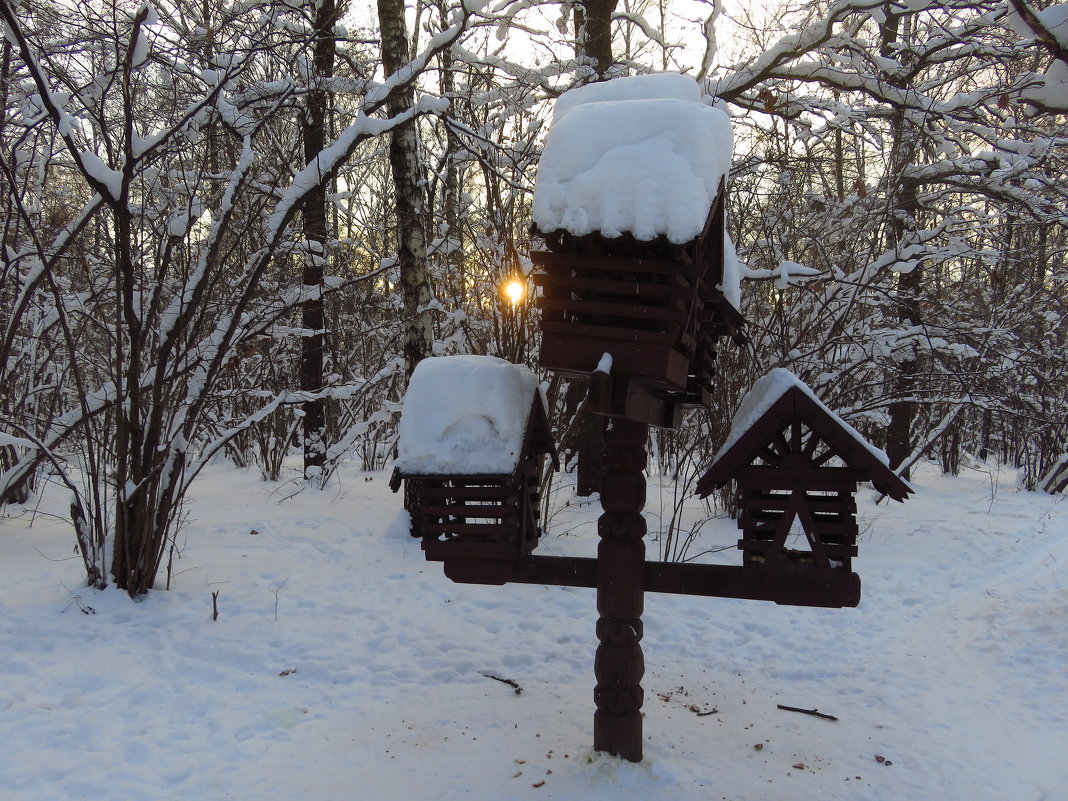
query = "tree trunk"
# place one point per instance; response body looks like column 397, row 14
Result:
column 317, row 235
column 903, row 408
column 407, row 186
column 594, row 33
column 902, row 208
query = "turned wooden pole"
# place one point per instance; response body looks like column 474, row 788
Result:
column 619, row 664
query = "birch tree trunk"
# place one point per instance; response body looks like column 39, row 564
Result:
column 408, row 188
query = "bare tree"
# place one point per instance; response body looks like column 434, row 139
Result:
column 408, row 191
column 176, row 256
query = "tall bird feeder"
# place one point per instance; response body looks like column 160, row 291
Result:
column 638, row 284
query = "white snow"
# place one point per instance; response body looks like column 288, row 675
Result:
column 763, row 395
column 788, row 271
column 343, row 666
column 732, row 273
column 95, row 167
column 655, row 86
column 622, row 157
column 1053, row 89
column 465, row 415
column 9, row 440
column 1054, row 19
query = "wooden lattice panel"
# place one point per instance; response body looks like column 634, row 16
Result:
column 639, row 310
column 476, row 517
column 827, row 518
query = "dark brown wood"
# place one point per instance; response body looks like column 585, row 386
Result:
column 562, row 262
column 619, row 664
column 486, row 531
column 623, row 398
column 482, row 517
column 473, row 510
column 637, row 311
column 819, row 504
column 498, row 490
column 781, row 467
column 831, row 477
column 828, row 431
column 654, row 363
column 621, row 295
column 784, row 584
column 616, row 287
column 576, row 331
column 655, row 309
column 483, row 549
column 814, row 712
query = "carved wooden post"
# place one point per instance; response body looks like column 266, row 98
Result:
column 619, row 664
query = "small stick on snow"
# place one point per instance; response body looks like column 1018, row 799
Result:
column 813, row 712
column 509, row 682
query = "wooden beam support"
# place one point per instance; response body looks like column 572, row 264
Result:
column 619, row 664
column 788, row 585
column 617, row 397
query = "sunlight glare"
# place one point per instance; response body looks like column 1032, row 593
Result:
column 514, row 291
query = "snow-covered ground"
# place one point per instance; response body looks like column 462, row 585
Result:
column 342, row 666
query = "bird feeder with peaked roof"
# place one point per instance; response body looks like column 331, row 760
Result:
column 796, row 460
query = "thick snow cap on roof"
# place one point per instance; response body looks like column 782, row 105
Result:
column 465, row 415
column 640, row 155
column 765, row 392
column 656, row 86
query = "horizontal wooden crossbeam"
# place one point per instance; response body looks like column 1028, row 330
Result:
column 614, row 287
column 792, row 585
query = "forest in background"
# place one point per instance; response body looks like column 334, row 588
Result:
column 231, row 230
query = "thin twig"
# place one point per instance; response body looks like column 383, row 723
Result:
column 813, row 712
column 509, row 682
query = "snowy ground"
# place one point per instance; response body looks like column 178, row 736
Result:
column 342, row 666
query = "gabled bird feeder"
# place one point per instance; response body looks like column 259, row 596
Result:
column 638, row 285
column 796, row 463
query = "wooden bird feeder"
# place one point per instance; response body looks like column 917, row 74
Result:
column 472, row 476
column 796, row 461
column 655, row 307
column 632, row 297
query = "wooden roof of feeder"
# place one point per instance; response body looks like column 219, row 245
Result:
column 471, row 416
column 763, row 429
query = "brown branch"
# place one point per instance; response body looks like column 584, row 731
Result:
column 814, row 712
column 509, row 682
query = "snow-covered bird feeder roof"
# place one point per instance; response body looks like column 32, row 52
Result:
column 773, row 403
column 641, row 155
column 467, row 415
